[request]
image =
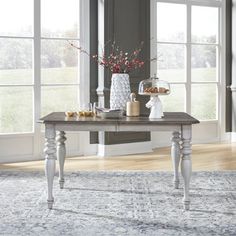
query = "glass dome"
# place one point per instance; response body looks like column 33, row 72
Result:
column 154, row 86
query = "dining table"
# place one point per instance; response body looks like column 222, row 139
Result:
column 178, row 123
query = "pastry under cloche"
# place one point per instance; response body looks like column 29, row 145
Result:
column 154, row 86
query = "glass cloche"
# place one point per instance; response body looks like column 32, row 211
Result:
column 153, row 86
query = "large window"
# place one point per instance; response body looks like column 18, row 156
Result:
column 39, row 71
column 187, row 37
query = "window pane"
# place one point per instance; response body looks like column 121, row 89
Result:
column 171, row 66
column 60, row 18
column 204, row 63
column 204, row 100
column 16, row 61
column 13, row 119
column 204, row 24
column 176, row 100
column 59, row 98
column 171, row 22
column 16, row 17
column 59, row 62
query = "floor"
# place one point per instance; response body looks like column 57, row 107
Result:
column 205, row 157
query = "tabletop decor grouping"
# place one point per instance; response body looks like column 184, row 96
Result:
column 121, row 63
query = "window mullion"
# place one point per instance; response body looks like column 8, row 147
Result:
column 37, row 74
column 15, row 37
column 173, row 1
column 153, row 41
column 206, row 3
column 61, row 38
column 173, row 43
column 188, row 60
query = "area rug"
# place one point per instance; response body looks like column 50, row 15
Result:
column 117, row 203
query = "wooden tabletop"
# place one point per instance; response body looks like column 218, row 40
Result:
column 170, row 118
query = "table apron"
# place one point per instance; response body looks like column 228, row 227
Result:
column 149, row 127
column 86, row 127
column 117, row 128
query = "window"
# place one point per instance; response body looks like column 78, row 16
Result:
column 39, row 71
column 187, row 38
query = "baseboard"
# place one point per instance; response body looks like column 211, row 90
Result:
column 164, row 140
column 161, row 139
column 25, row 158
column 226, row 137
column 15, row 159
column 90, row 150
column 124, row 149
column 204, row 141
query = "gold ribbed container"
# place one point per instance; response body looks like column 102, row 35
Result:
column 132, row 106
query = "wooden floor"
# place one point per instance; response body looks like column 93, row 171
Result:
column 206, row 157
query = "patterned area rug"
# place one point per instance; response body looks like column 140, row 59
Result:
column 117, row 203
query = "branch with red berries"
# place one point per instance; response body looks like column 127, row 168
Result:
column 118, row 61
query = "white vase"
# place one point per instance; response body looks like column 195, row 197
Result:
column 120, row 91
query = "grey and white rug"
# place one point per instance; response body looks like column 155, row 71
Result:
column 117, row 203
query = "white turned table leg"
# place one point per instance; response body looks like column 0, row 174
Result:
column 61, row 153
column 50, row 160
column 186, row 163
column 175, row 155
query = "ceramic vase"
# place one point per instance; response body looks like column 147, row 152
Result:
column 120, row 91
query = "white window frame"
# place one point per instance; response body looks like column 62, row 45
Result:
column 35, row 140
column 219, row 123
